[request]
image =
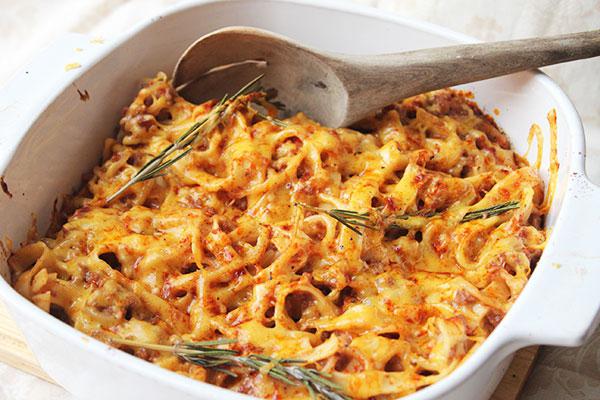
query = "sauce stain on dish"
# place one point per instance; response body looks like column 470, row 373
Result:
column 4, row 186
column 83, row 96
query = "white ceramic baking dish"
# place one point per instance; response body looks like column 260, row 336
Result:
column 49, row 136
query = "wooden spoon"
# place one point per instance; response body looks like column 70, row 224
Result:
column 339, row 89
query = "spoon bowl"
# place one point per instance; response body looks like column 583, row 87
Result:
column 298, row 77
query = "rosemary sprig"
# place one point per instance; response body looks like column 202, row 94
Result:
column 288, row 371
column 155, row 167
column 350, row 219
column 353, row 219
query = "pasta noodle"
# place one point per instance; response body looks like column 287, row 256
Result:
column 219, row 248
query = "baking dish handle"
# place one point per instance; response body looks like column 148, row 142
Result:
column 566, row 294
column 33, row 87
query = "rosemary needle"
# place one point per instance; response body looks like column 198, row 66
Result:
column 272, row 120
column 350, row 219
column 490, row 211
column 288, row 371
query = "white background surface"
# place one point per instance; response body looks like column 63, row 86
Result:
column 28, row 25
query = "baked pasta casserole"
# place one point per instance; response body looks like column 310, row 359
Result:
column 373, row 259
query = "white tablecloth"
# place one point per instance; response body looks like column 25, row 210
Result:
column 27, row 25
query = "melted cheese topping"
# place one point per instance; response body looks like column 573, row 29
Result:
column 217, row 247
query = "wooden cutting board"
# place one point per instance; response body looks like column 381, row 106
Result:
column 14, row 351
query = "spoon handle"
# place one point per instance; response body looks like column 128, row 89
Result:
column 386, row 78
